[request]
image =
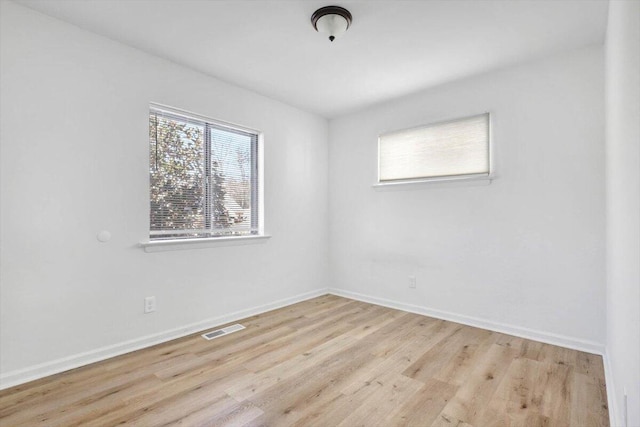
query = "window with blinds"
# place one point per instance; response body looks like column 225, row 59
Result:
column 453, row 149
column 203, row 177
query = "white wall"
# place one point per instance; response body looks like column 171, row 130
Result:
column 524, row 254
column 623, row 207
column 74, row 161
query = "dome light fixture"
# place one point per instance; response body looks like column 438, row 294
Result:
column 332, row 20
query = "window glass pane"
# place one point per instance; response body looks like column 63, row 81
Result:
column 231, row 183
column 177, row 174
column 459, row 147
column 204, row 178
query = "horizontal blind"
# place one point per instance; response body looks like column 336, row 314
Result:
column 177, row 174
column 233, row 180
column 455, row 148
column 203, row 178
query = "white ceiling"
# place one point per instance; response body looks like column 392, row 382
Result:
column 392, row 48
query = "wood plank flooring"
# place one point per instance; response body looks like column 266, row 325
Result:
column 329, row 361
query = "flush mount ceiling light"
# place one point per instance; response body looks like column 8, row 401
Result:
column 332, row 20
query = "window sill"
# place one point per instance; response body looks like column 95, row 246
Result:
column 201, row 243
column 466, row 181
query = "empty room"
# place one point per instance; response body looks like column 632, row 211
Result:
column 307, row 213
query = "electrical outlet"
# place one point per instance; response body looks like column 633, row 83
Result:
column 149, row 304
column 412, row 282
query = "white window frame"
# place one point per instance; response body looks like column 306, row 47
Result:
column 482, row 178
column 215, row 241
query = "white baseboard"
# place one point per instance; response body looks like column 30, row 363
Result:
column 31, row 373
column 532, row 334
column 612, row 403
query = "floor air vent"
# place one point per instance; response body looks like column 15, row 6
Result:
column 221, row 332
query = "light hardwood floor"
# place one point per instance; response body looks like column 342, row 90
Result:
column 329, row 361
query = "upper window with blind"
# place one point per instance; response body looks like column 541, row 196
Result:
column 203, row 177
column 448, row 150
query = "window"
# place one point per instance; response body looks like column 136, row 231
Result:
column 453, row 149
column 203, row 177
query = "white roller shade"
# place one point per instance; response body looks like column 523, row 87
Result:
column 454, row 148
